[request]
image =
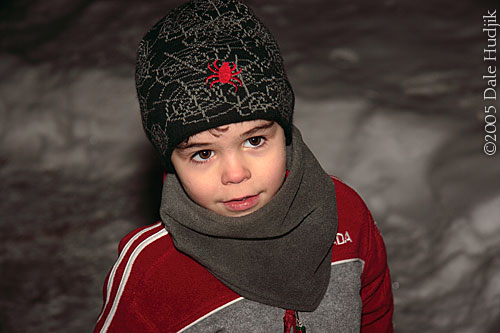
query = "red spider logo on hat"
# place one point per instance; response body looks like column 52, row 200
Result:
column 224, row 74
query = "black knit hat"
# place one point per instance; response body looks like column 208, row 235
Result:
column 209, row 63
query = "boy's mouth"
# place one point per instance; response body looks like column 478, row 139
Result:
column 240, row 199
column 243, row 203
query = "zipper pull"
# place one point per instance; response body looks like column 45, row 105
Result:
column 299, row 327
column 289, row 321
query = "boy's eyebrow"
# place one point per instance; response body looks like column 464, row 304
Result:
column 257, row 128
column 247, row 133
column 192, row 145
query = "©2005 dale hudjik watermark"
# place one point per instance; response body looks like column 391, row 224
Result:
column 490, row 94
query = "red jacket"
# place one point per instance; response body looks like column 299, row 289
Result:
column 155, row 288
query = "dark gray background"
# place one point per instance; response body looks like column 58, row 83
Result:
column 389, row 97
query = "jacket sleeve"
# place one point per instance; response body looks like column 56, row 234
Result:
column 367, row 244
column 376, row 293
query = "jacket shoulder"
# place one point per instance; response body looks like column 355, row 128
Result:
column 126, row 274
column 151, row 274
column 354, row 224
column 349, row 202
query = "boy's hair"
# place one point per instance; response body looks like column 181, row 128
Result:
column 207, row 64
column 214, row 131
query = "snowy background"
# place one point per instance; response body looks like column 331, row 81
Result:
column 389, row 97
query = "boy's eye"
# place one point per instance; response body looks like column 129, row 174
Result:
column 203, row 155
column 255, row 141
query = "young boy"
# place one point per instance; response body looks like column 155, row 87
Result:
column 254, row 236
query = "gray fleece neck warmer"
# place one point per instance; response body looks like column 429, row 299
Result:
column 278, row 255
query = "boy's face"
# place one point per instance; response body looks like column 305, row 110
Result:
column 234, row 169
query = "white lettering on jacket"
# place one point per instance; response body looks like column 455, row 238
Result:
column 342, row 238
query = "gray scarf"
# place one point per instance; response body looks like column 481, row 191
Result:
column 278, row 255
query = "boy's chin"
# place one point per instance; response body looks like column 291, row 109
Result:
column 241, row 214
column 228, row 213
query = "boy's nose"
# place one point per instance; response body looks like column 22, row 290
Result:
column 235, row 171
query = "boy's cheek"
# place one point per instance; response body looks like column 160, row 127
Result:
column 202, row 188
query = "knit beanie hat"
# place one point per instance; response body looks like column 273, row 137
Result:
column 209, row 63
